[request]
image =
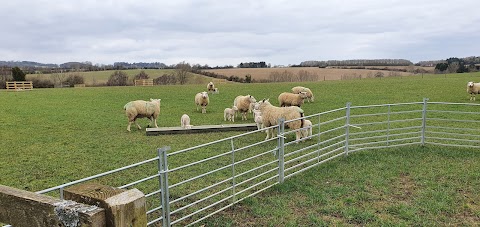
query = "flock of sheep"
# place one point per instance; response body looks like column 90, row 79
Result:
column 264, row 113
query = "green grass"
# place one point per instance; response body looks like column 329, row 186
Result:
column 54, row 136
column 101, row 77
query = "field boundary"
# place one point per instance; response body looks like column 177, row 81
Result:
column 179, row 198
column 19, row 85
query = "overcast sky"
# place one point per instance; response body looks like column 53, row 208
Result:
column 223, row 32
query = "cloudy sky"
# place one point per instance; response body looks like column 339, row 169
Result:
column 223, row 32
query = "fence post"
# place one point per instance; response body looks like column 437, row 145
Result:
column 347, row 127
column 281, row 150
column 233, row 172
column 424, row 120
column 319, row 139
column 388, row 125
column 163, row 172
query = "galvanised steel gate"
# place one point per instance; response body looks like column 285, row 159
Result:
column 187, row 186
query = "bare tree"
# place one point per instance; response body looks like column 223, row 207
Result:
column 58, row 78
column 453, row 67
column 182, row 70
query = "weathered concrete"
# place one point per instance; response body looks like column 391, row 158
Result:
column 123, row 207
column 201, row 129
column 22, row 208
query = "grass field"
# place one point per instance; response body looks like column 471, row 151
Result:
column 54, row 136
column 323, row 73
column 101, row 77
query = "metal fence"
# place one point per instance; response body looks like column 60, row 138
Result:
column 186, row 187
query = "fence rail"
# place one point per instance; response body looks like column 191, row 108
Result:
column 19, row 85
column 187, row 186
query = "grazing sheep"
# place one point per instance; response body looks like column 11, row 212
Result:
column 216, row 91
column 290, row 99
column 229, row 113
column 243, row 104
column 185, row 122
column 140, row 109
column 307, row 129
column 201, row 99
column 210, row 87
column 257, row 115
column 299, row 89
column 473, row 89
column 271, row 114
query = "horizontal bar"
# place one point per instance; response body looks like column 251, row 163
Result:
column 316, row 158
column 386, row 146
column 153, row 193
column 386, row 105
column 140, row 181
column 201, row 161
column 452, row 120
column 97, row 176
column 201, row 200
column 333, row 120
column 256, row 168
column 301, row 149
column 250, row 158
column 386, row 122
column 454, row 139
column 451, row 128
column 257, row 176
column 449, row 111
column 201, row 190
column 452, row 145
column 154, row 221
column 200, row 176
column 332, row 129
column 452, row 103
column 385, row 141
column 154, row 209
column 385, row 130
column 452, row 134
column 309, row 167
column 254, row 144
column 200, row 210
column 383, row 136
column 386, row 113
column 255, row 185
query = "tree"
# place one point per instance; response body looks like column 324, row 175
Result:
column 75, row 78
column 58, row 78
column 441, row 67
column 181, row 71
column 118, row 78
column 18, row 74
column 141, row 75
column 248, row 78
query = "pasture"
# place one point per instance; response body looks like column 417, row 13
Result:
column 54, row 136
column 322, row 73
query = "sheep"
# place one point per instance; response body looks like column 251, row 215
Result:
column 140, row 109
column 271, row 114
column 210, row 87
column 299, row 89
column 473, row 89
column 216, row 91
column 229, row 113
column 307, row 129
column 290, row 99
column 201, row 99
column 185, row 122
column 257, row 115
column 243, row 104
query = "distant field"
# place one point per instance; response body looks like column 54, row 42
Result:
column 101, row 77
column 323, row 73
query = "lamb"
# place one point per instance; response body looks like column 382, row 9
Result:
column 307, row 129
column 210, row 87
column 257, row 115
column 185, row 122
column 473, row 89
column 290, row 99
column 201, row 99
column 299, row 89
column 243, row 104
column 229, row 113
column 271, row 114
column 140, row 109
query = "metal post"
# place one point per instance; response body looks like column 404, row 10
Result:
column 281, row 150
column 163, row 172
column 319, row 139
column 233, row 172
column 388, row 125
column 61, row 193
column 347, row 127
column 424, row 120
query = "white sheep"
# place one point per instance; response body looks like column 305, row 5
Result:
column 271, row 114
column 299, row 89
column 140, row 109
column 473, row 89
column 257, row 115
column 243, row 104
column 210, row 87
column 201, row 99
column 229, row 114
column 185, row 122
column 216, row 91
column 307, row 129
column 290, row 99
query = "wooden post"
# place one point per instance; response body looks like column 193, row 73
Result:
column 122, row 207
column 23, row 208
